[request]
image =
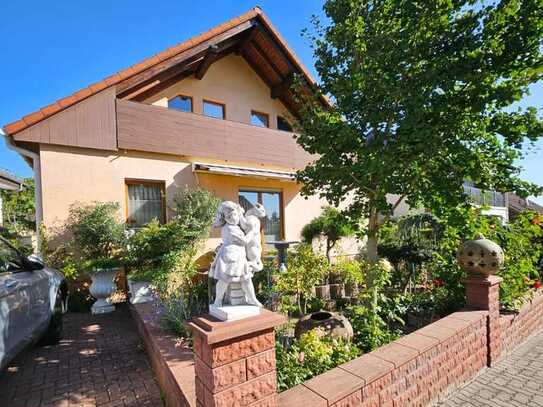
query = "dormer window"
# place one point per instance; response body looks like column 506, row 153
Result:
column 181, row 103
column 260, row 119
column 214, row 109
column 283, row 124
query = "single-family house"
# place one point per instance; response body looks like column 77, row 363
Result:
column 215, row 111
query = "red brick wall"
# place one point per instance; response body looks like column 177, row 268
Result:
column 515, row 328
column 411, row 371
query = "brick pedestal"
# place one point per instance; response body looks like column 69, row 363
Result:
column 483, row 293
column 235, row 361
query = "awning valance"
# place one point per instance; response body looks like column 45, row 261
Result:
column 242, row 171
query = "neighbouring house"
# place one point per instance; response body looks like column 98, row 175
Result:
column 494, row 203
column 8, row 182
column 516, row 204
column 215, row 111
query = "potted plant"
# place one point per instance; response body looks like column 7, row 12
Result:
column 98, row 237
column 140, row 285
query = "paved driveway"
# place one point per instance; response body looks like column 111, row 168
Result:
column 516, row 381
column 100, row 362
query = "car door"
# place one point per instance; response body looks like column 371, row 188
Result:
column 16, row 316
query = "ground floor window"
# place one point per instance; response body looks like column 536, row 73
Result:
column 145, row 201
column 272, row 225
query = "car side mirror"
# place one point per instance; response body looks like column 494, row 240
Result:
column 35, row 262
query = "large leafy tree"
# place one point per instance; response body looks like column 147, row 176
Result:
column 421, row 101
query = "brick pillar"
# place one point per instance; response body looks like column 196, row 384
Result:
column 235, row 361
column 483, row 293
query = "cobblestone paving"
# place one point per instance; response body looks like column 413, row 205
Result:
column 516, row 381
column 99, row 362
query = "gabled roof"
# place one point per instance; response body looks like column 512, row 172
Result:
column 254, row 37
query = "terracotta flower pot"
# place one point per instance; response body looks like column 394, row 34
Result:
column 323, row 291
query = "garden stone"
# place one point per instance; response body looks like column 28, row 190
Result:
column 333, row 323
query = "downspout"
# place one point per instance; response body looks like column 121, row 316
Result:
column 36, row 167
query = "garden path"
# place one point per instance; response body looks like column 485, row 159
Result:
column 516, row 381
column 99, row 362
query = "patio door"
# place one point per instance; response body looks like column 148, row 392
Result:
column 272, row 224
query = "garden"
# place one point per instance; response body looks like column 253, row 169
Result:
column 338, row 307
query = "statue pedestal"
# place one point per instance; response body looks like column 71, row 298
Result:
column 234, row 312
column 234, row 361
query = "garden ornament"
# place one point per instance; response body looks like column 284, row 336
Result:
column 480, row 256
column 237, row 259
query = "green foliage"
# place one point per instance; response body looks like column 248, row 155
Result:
column 149, row 244
column 182, row 291
column 350, row 272
column 375, row 322
column 331, row 224
column 310, row 356
column 194, row 209
column 430, row 302
column 422, row 102
column 18, row 208
column 305, row 269
column 98, row 235
column 192, row 216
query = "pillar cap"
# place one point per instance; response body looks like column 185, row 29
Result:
column 483, row 280
column 213, row 330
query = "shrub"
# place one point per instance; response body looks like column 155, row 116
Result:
column 194, row 210
column 331, row 224
column 97, row 232
column 183, row 293
column 310, row 356
column 304, row 270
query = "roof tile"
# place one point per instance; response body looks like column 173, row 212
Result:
column 98, row 86
column 15, row 127
column 82, row 94
column 50, row 109
column 113, row 79
column 67, row 101
column 33, row 117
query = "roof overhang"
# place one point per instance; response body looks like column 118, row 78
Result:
column 10, row 182
column 243, row 172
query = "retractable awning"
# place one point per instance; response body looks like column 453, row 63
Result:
column 242, row 171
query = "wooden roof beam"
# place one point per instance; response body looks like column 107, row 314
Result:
column 247, row 40
column 279, row 89
column 268, row 60
column 211, row 56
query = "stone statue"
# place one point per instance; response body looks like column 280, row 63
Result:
column 239, row 256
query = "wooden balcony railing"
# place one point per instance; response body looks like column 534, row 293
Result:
column 157, row 129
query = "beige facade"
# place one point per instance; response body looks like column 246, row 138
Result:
column 71, row 175
column 232, row 82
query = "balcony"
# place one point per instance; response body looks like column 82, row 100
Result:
column 157, row 129
column 484, row 198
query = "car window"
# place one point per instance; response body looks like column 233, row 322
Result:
column 10, row 260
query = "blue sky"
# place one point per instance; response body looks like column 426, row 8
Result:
column 50, row 49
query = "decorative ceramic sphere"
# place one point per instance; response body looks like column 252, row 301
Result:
column 480, row 256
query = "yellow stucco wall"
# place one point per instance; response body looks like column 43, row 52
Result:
column 230, row 81
column 72, row 175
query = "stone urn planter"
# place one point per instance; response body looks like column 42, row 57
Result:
column 334, row 324
column 140, row 291
column 103, row 285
